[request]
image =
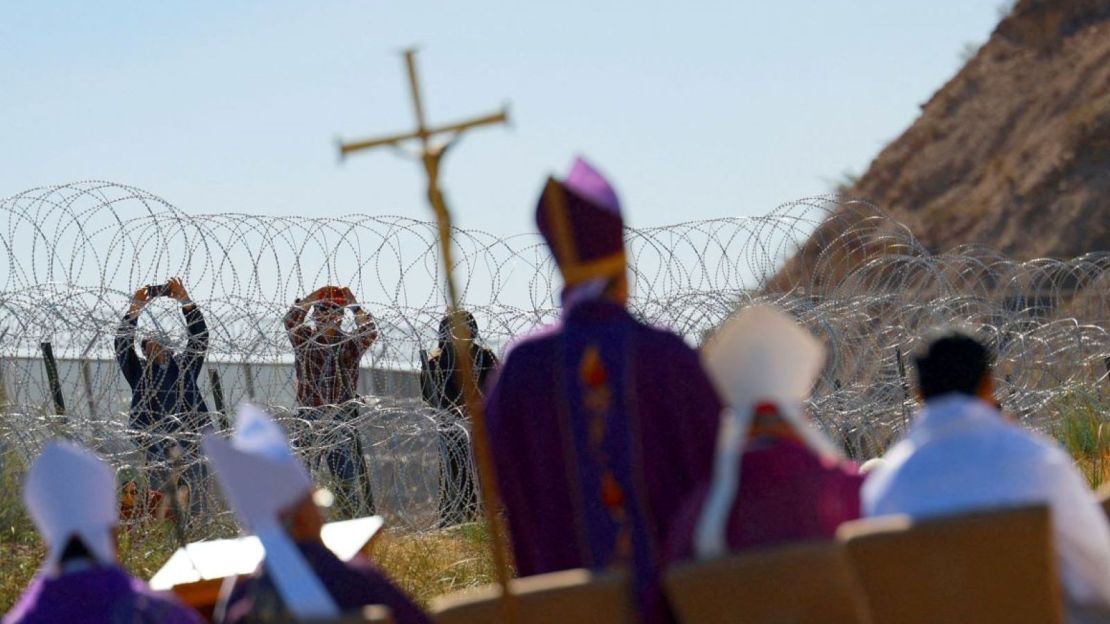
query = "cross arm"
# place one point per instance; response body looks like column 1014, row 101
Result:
column 501, row 116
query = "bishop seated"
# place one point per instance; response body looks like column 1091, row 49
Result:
column 777, row 478
column 70, row 494
column 272, row 495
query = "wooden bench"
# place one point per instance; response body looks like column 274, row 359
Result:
column 802, row 583
column 578, row 596
column 991, row 566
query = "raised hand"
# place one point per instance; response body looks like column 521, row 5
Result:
column 177, row 289
column 138, row 301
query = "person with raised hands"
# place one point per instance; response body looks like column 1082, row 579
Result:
column 70, row 493
column 167, row 406
column 272, row 495
column 326, row 362
column 776, row 477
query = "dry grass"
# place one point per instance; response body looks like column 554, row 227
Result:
column 424, row 565
column 1080, row 425
column 21, row 550
column 143, row 549
column 428, row 565
column 18, row 562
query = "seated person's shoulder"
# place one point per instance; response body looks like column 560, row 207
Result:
column 1031, row 445
column 795, row 458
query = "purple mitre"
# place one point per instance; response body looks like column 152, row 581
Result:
column 589, row 184
column 580, row 219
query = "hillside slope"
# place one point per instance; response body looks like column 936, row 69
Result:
column 1013, row 153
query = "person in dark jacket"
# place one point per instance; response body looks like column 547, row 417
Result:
column 167, row 407
column 441, row 385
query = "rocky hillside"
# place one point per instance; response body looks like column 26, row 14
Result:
column 1012, row 153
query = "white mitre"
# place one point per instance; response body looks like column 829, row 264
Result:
column 70, row 492
column 260, row 477
column 257, row 470
column 760, row 355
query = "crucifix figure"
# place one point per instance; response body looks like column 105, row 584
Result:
column 431, row 153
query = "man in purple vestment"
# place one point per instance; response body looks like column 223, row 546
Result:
column 272, row 494
column 599, row 424
column 776, row 479
column 70, row 494
column 351, row 584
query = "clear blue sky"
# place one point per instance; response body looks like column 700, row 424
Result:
column 696, row 110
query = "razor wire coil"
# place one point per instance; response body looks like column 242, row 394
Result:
column 860, row 281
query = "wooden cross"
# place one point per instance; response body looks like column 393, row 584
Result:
column 430, row 154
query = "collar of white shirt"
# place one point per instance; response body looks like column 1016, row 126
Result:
column 952, row 411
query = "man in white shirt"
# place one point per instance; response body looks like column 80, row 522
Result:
column 961, row 454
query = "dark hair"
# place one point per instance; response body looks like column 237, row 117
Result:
column 951, row 360
column 75, row 550
column 446, row 325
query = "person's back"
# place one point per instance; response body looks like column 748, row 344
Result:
column 776, row 478
column 962, row 454
column 788, row 494
column 271, row 492
column 352, row 584
column 96, row 595
column 598, row 424
column 662, row 438
column 958, row 440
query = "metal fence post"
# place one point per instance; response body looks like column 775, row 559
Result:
column 250, row 379
column 86, row 376
column 52, row 377
column 218, row 397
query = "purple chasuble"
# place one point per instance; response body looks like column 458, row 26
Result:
column 97, row 595
column 600, row 426
column 787, row 493
column 352, row 585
